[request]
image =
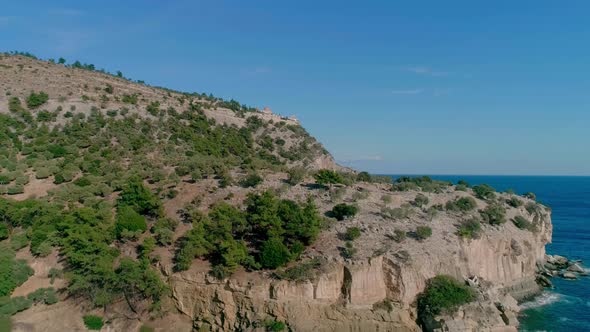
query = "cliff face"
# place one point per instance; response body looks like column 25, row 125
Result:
column 378, row 293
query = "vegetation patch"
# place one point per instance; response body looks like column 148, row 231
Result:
column 443, row 294
column 93, row 322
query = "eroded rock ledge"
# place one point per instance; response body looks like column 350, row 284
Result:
column 377, row 293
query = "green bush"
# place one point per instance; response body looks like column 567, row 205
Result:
column 4, row 232
column 399, row 235
column 342, row 211
column 252, row 180
column 93, row 322
column 13, row 272
column 420, row 200
column 493, row 214
column 470, row 229
column 522, row 223
column 19, row 241
column 348, row 251
column 423, row 232
column 4, row 179
column 42, row 173
column 514, row 202
column 35, row 100
column 484, row 191
column 274, row 326
column 443, row 294
column 530, row 195
column 274, row 254
column 140, row 198
column 352, row 233
column 363, row 177
column 302, row 271
column 463, row 204
column 328, row 177
column 14, row 105
column 296, row 175
column 129, row 220
column 145, row 328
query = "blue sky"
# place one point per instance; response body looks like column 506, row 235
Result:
column 437, row 87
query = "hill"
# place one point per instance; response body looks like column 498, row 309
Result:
column 141, row 207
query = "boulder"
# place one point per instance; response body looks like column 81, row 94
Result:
column 569, row 275
column 576, row 268
column 544, row 281
column 560, row 261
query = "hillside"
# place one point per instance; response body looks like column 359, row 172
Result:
column 155, row 209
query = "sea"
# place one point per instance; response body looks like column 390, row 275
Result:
column 566, row 307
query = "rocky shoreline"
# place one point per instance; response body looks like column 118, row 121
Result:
column 558, row 266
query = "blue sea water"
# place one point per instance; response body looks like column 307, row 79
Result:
column 567, row 306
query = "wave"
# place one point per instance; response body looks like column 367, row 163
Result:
column 542, row 300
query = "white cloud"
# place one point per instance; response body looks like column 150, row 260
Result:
column 407, row 92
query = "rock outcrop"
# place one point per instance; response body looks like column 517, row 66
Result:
column 377, row 293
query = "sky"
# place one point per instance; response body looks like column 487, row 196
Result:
column 396, row 87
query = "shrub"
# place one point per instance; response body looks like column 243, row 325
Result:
column 420, row 200
column 494, row 214
column 514, row 202
column 252, row 180
column 13, row 272
column 522, row 223
column 19, row 241
column 129, row 99
column 363, row 177
column 4, row 231
column 42, row 173
column 399, row 235
column 405, row 211
column 35, row 100
column 532, row 208
column 460, row 187
column 140, row 198
column 470, row 229
column 274, row 253
column 93, row 322
column 83, row 182
column 423, row 232
column 145, row 328
column 14, row 105
column 129, row 220
column 15, row 190
column 463, row 204
column 328, row 177
column 348, row 251
column 463, row 183
column 296, row 175
column 352, row 233
column 443, row 294
column 530, row 195
column 484, row 191
column 300, row 272
column 274, row 326
column 342, row 211
column 360, row 195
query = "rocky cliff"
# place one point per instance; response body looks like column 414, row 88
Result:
column 378, row 293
